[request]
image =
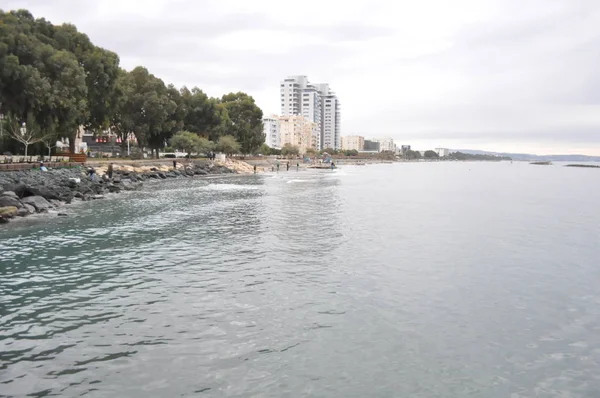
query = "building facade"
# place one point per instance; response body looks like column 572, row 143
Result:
column 442, row 152
column 353, row 142
column 297, row 131
column 386, row 145
column 317, row 104
column 271, row 130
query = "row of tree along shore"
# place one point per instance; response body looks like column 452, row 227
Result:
column 53, row 80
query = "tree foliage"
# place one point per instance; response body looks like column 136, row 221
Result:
column 245, row 121
column 430, row 155
column 191, row 142
column 290, row 150
column 228, row 145
column 55, row 76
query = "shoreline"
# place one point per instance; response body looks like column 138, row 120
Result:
column 25, row 193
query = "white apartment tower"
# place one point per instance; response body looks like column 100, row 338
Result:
column 272, row 133
column 316, row 103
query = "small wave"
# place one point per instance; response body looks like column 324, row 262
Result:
column 295, row 181
column 230, row 187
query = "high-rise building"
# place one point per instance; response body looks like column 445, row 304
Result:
column 353, row 142
column 316, row 103
column 271, row 130
column 297, row 131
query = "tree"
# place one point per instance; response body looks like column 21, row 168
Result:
column 246, row 124
column 311, row 151
column 204, row 115
column 50, row 142
column 228, row 145
column 191, row 142
column 147, row 108
column 184, row 140
column 351, row 152
column 264, row 150
column 413, row 155
column 26, row 134
column 431, row 154
column 290, row 150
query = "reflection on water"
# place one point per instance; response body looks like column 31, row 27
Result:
column 428, row 280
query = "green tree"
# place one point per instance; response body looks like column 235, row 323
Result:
column 431, row 154
column 147, row 109
column 264, row 150
column 290, row 150
column 351, row 152
column 203, row 115
column 245, row 120
column 38, row 78
column 228, row 145
column 413, row 155
column 191, row 142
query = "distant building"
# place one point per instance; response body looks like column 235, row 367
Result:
column 386, row 145
column 404, row 149
column 316, row 103
column 271, row 130
column 353, row 142
column 442, row 152
column 297, row 131
column 371, row 146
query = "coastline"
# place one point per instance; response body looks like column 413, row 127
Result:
column 25, row 193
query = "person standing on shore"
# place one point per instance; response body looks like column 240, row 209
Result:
column 110, row 170
column 254, row 169
column 92, row 173
column 287, row 166
column 297, row 166
column 175, row 164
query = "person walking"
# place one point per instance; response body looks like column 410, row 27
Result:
column 287, row 165
column 175, row 164
column 297, row 166
column 254, row 169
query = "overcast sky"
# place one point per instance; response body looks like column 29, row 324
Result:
column 504, row 75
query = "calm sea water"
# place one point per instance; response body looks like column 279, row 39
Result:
column 399, row 280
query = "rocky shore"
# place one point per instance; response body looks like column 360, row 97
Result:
column 23, row 193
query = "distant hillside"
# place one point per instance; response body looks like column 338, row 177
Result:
column 531, row 157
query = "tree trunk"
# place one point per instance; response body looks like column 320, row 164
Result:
column 26, row 145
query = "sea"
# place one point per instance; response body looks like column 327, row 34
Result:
column 426, row 279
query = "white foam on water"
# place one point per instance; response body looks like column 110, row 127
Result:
column 231, row 187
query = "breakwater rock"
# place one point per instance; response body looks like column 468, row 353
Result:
column 34, row 191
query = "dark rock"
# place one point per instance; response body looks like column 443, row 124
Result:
column 63, row 215
column 153, row 169
column 78, row 195
column 162, row 175
column 9, row 201
column 55, row 203
column 153, row 175
column 114, row 188
column 96, row 197
column 41, row 205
